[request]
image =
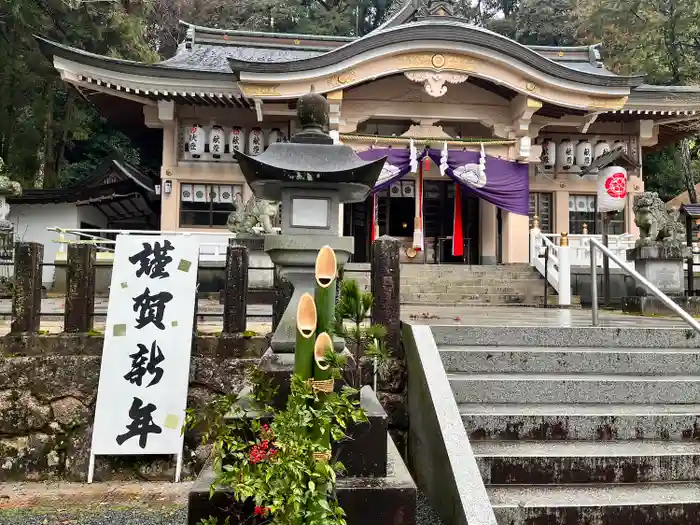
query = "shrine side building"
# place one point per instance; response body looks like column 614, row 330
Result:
column 482, row 131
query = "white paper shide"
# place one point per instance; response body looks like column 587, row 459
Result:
column 142, row 394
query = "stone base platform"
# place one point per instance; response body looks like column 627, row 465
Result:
column 651, row 305
column 385, row 500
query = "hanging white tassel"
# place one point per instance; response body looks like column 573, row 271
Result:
column 414, row 157
column 482, row 161
column 443, row 160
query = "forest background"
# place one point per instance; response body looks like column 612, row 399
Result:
column 49, row 137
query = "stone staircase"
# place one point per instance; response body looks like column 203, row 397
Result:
column 585, row 426
column 462, row 285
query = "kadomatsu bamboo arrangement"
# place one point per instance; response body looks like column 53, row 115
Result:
column 284, row 469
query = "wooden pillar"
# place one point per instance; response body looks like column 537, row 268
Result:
column 236, row 289
column 26, row 293
column 80, row 288
column 386, row 289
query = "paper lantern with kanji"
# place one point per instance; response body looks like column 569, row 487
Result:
column 565, row 154
column 217, row 143
column 256, row 142
column 196, row 140
column 236, row 140
column 584, row 153
column 549, row 154
column 612, row 189
column 275, row 136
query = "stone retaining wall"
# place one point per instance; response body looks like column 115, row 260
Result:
column 48, row 387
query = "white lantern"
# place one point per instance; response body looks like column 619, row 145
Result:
column 196, row 140
column 217, row 142
column 549, row 154
column 601, row 148
column 236, row 140
column 620, row 144
column 565, row 154
column 612, row 189
column 275, row 136
column 256, row 142
column 584, row 153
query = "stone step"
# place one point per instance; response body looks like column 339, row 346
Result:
column 535, row 288
column 574, row 388
column 409, row 269
column 619, row 336
column 570, row 462
column 580, row 421
column 522, row 359
column 458, row 298
column 607, row 504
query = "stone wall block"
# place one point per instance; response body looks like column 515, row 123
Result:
column 236, row 289
column 70, row 412
column 52, row 377
column 21, row 413
column 386, row 288
column 80, row 294
column 26, row 293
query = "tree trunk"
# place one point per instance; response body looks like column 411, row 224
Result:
column 686, row 165
column 49, row 151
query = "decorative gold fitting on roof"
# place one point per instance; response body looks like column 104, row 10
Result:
column 585, row 228
column 536, row 222
column 564, row 239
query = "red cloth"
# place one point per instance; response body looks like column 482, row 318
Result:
column 457, row 230
column 373, row 233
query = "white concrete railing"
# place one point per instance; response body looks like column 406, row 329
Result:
column 581, row 252
column 554, row 261
column 214, row 251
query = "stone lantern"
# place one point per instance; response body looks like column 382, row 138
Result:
column 311, row 177
column 8, row 188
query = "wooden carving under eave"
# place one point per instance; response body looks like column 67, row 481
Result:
column 306, row 316
column 257, row 90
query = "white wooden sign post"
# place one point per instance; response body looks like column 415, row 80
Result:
column 142, row 394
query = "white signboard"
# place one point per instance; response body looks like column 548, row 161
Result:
column 142, row 394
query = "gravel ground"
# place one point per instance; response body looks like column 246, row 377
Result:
column 92, row 514
column 96, row 517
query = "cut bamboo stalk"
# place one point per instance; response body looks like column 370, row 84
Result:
column 306, row 328
column 325, row 274
column 323, row 382
column 322, row 369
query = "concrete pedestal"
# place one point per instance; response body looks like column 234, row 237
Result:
column 661, row 265
column 296, row 257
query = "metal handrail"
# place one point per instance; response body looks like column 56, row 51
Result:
column 595, row 243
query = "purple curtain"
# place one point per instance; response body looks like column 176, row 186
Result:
column 501, row 182
column 398, row 164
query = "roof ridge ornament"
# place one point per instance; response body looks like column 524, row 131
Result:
column 435, row 9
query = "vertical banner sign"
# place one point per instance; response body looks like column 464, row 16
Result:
column 142, row 394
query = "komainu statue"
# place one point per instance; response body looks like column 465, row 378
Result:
column 656, row 223
column 253, row 217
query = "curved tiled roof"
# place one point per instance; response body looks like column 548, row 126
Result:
column 448, row 31
column 214, row 58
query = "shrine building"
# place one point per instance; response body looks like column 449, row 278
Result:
column 481, row 133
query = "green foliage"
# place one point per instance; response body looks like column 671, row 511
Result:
column 43, row 122
column 273, row 466
column 352, row 317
